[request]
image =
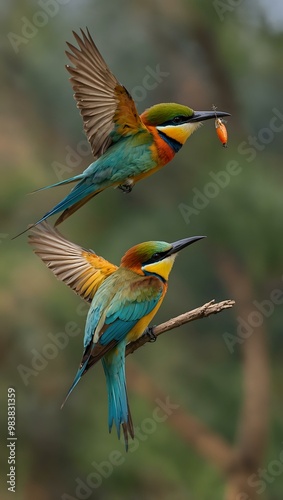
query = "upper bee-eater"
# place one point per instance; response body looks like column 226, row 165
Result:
column 123, row 299
column 126, row 147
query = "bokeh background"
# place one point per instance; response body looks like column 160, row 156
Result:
column 224, row 374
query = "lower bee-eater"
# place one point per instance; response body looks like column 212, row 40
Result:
column 127, row 147
column 124, row 300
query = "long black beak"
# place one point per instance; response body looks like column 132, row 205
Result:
column 200, row 116
column 180, row 244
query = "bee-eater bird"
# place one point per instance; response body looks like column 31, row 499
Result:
column 126, row 147
column 123, row 299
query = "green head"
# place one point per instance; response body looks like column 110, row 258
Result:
column 163, row 113
column 155, row 257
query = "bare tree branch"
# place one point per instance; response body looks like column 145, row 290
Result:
column 198, row 313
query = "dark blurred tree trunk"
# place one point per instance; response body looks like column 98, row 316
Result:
column 254, row 419
column 239, row 464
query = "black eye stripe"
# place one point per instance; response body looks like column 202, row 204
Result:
column 156, row 257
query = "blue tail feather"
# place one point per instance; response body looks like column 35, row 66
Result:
column 61, row 183
column 80, row 191
column 118, row 407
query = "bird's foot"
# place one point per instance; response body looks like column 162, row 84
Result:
column 127, row 186
column 151, row 335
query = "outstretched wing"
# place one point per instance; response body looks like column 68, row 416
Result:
column 82, row 270
column 102, row 100
column 118, row 307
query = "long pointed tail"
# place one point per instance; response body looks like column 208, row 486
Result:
column 81, row 191
column 77, row 378
column 61, row 183
column 118, row 406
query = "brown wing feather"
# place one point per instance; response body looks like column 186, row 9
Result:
column 102, row 101
column 82, row 270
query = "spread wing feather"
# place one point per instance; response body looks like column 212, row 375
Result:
column 82, row 270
